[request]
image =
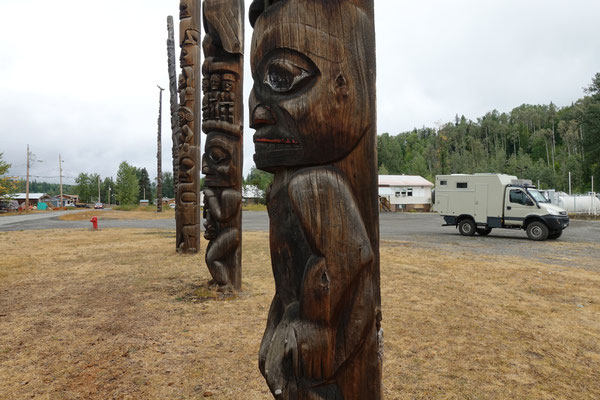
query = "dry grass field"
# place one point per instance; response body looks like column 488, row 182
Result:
column 116, row 314
column 140, row 213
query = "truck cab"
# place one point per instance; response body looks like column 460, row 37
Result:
column 479, row 203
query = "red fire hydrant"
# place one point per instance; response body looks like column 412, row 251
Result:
column 94, row 222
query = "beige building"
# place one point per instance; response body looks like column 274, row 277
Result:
column 404, row 193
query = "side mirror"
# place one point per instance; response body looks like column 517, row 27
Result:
column 528, row 202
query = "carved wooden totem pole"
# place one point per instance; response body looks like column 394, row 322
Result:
column 222, row 120
column 313, row 109
column 188, row 140
column 172, row 67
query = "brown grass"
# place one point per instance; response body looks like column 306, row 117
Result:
column 254, row 207
column 167, row 213
column 122, row 316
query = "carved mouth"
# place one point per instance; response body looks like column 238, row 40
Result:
column 276, row 141
column 268, row 135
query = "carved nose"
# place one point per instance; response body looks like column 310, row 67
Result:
column 262, row 115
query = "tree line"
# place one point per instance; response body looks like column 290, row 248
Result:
column 538, row 142
column 131, row 185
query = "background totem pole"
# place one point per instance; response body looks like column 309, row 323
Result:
column 313, row 109
column 188, row 141
column 172, row 67
column 222, row 120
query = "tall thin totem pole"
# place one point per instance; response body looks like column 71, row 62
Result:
column 158, row 156
column 172, row 67
column 313, row 108
column 222, row 121
column 188, row 140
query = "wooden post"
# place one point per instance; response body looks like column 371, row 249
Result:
column 158, row 157
column 172, row 66
column 313, row 108
column 188, row 140
column 222, row 121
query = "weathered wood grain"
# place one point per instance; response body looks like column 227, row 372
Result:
column 222, row 121
column 172, row 68
column 188, row 140
column 313, row 108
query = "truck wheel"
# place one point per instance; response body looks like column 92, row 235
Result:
column 537, row 231
column 555, row 234
column 484, row 231
column 466, row 227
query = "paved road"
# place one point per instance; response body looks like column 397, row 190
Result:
column 252, row 221
column 393, row 226
column 423, row 230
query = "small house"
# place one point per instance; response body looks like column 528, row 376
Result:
column 34, row 198
column 404, row 193
column 251, row 194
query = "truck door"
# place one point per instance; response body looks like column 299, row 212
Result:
column 517, row 206
column 481, row 202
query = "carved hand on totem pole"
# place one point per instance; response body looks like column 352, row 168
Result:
column 312, row 106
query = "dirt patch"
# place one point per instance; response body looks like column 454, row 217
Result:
column 121, row 315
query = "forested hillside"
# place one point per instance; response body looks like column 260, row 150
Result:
column 538, row 142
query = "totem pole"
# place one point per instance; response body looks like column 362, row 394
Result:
column 222, row 120
column 188, row 140
column 172, row 67
column 159, row 156
column 313, row 108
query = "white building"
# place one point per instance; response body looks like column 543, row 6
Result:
column 404, row 193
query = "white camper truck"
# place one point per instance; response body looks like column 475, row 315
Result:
column 481, row 202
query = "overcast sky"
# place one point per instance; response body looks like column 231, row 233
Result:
column 79, row 77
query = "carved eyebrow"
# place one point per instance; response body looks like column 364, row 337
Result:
column 331, row 49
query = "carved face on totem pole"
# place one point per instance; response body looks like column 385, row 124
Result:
column 218, row 162
column 184, row 9
column 309, row 104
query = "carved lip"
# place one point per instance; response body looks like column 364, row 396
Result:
column 276, row 141
column 270, row 136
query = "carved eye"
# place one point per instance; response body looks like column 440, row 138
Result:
column 217, row 155
column 287, row 70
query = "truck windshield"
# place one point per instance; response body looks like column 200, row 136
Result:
column 537, row 196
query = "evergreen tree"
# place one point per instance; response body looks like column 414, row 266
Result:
column 145, row 188
column 127, row 186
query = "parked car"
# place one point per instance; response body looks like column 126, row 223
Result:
column 98, row 206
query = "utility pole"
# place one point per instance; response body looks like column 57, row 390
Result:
column 159, row 156
column 27, row 182
column 569, row 183
column 109, row 189
column 99, row 189
column 60, row 175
